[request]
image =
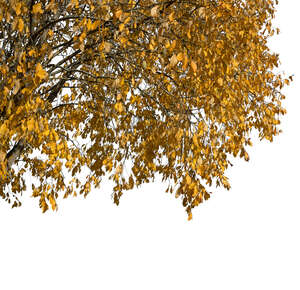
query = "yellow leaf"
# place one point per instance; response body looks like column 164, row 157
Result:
column 220, row 81
column 40, row 72
column 17, row 86
column 107, row 47
column 3, row 129
column 195, row 140
column 123, row 40
column 82, row 37
column 18, row 8
column 46, row 132
column 119, row 14
column 180, row 56
column 173, row 44
column 50, row 33
column 119, row 169
column 171, row 16
column 127, row 20
column 37, row 8
column 189, row 34
column 154, row 11
column 201, row 12
column 2, row 156
column 173, row 60
column 31, row 52
column 119, row 97
column 20, row 25
column 194, row 66
column 89, row 25
column 119, row 107
column 31, row 124
column 121, row 26
column 52, row 202
column 246, row 156
column 190, row 216
column 188, row 179
column 185, row 62
column 235, row 63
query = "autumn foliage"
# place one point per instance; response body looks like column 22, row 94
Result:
column 132, row 89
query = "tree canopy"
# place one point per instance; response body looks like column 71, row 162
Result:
column 132, row 89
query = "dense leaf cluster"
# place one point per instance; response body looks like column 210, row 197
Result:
column 131, row 89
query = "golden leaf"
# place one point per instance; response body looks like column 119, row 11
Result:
column 185, row 62
column 89, row 25
column 189, row 34
column 107, row 47
column 119, row 107
column 246, row 156
column 20, row 25
column 220, row 81
column 173, row 60
column 50, row 33
column 18, row 8
column 154, row 11
column 40, row 72
column 173, row 44
column 201, row 12
column 119, row 97
column 37, row 8
column 82, row 36
column 180, row 56
column 17, row 87
column 31, row 124
column 127, row 20
column 2, row 156
column 119, row 13
column 171, row 16
column 52, row 202
column 235, row 63
column 31, row 52
column 188, row 179
column 3, row 129
column 195, row 140
column 19, row 69
column 121, row 26
column 194, row 66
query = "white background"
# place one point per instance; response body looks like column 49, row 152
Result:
column 245, row 238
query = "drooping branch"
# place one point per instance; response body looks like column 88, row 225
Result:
column 14, row 153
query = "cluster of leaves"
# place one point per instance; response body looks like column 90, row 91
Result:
column 175, row 87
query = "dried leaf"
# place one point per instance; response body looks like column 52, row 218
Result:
column 154, row 11
column 173, row 60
